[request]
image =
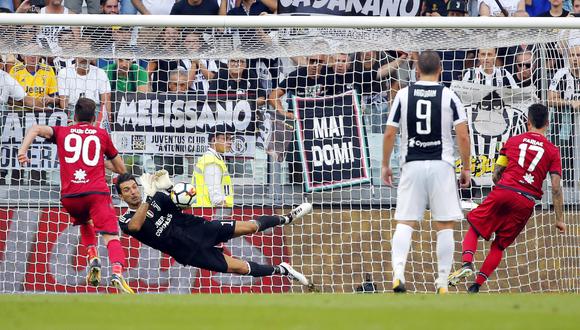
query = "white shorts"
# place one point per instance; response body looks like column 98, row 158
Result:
column 428, row 183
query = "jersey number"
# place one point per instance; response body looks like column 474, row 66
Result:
column 423, row 117
column 523, row 149
column 80, row 148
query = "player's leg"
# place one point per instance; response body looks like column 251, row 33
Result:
column 445, row 211
column 105, row 222
column 411, row 202
column 268, row 221
column 244, row 267
column 469, row 247
column 490, row 263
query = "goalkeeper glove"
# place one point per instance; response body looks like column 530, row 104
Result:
column 162, row 180
column 148, row 183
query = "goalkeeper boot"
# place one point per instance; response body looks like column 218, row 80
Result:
column 474, row 288
column 94, row 273
column 120, row 284
column 293, row 274
column 299, row 212
column 465, row 271
column 399, row 286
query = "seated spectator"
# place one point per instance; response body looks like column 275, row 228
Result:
column 487, row 73
column 339, row 74
column 199, row 7
column 556, row 10
column 127, row 76
column 564, row 97
column 237, row 78
column 153, row 7
column 93, row 6
column 254, row 8
column 84, row 80
column 178, row 81
column 200, row 71
column 457, row 8
column 158, row 69
column 535, row 8
column 576, row 7
column 524, row 69
column 434, row 8
column 109, row 7
column 513, row 8
column 38, row 80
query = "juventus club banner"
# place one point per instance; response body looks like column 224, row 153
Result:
column 351, row 7
column 332, row 142
column 494, row 115
column 169, row 125
column 13, row 126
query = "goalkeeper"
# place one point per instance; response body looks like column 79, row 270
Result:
column 160, row 224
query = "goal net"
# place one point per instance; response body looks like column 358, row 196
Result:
column 307, row 103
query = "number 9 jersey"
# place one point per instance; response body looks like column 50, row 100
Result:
column 528, row 158
column 80, row 151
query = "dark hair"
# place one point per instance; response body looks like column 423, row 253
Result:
column 218, row 130
column 429, row 62
column 538, row 115
column 103, row 2
column 123, row 178
column 85, row 110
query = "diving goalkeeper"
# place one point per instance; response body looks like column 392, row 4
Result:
column 160, row 224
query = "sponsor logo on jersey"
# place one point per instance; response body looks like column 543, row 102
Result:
column 156, row 206
column 413, row 142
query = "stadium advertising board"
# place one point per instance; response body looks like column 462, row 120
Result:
column 40, row 252
column 351, row 7
column 332, row 142
column 169, row 125
column 13, row 126
column 494, row 114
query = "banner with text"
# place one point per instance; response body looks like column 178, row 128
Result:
column 494, row 115
column 351, row 7
column 13, row 126
column 332, row 141
column 169, row 125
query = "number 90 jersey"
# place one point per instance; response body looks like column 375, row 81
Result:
column 80, row 153
column 426, row 114
column 530, row 156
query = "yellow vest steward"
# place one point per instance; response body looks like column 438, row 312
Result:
column 198, row 181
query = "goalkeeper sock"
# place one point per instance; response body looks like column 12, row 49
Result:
column 490, row 264
column 400, row 245
column 469, row 246
column 258, row 270
column 268, row 221
column 88, row 235
column 116, row 254
column 445, row 250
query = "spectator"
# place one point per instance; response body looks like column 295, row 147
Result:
column 159, row 69
column 200, row 71
column 434, row 8
column 339, row 76
column 487, row 73
column 457, row 8
column 10, row 89
column 535, row 8
column 556, row 10
column 9, row 5
column 576, row 6
column 254, row 8
column 127, row 76
column 238, row 79
column 38, row 80
column 84, row 80
column 524, row 69
column 127, row 8
column 564, row 96
column 178, row 81
column 110, row 7
column 93, row 6
column 153, row 7
column 199, row 7
column 490, row 7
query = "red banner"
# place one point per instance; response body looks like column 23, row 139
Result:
column 40, row 251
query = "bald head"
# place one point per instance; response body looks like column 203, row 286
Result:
column 429, row 63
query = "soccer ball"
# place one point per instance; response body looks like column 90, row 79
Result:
column 183, row 195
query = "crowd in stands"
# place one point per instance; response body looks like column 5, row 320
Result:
column 375, row 75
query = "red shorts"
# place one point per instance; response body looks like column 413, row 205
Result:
column 96, row 207
column 505, row 213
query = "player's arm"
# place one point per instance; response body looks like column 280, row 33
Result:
column 464, row 146
column 500, row 166
column 558, row 200
column 138, row 4
column 389, row 140
column 139, row 217
column 116, row 165
column 33, row 132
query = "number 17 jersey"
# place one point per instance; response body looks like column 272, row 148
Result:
column 80, row 149
column 530, row 156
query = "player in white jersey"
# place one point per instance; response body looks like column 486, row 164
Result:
column 426, row 114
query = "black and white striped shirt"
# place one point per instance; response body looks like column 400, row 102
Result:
column 565, row 84
column 499, row 78
column 426, row 114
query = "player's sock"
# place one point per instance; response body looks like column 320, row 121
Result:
column 490, row 264
column 268, row 221
column 116, row 255
column 88, row 235
column 92, row 252
column 400, row 245
column 445, row 250
column 469, row 246
column 258, row 270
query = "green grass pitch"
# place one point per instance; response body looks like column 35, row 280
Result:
column 291, row 311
